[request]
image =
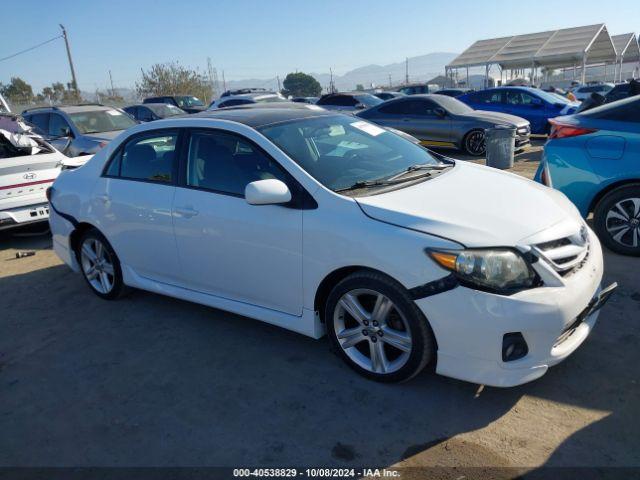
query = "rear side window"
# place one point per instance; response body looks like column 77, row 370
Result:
column 226, row 163
column 150, row 157
column 408, row 107
column 486, row 97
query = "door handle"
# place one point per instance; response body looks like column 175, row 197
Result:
column 186, row 212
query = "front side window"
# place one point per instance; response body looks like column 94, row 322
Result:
column 406, row 107
column 227, row 163
column 515, row 97
column 99, row 121
column 150, row 158
column 487, row 97
column 58, row 126
column 339, row 151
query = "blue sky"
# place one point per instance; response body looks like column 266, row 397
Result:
column 259, row 39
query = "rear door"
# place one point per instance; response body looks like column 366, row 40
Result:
column 133, row 200
column 417, row 117
column 529, row 107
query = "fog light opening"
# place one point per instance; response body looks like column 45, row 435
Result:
column 514, row 347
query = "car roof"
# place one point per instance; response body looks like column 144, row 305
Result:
column 69, row 108
column 257, row 116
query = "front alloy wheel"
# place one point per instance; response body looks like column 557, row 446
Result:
column 371, row 331
column 474, row 143
column 377, row 328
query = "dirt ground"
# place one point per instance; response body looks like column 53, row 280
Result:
column 154, row 381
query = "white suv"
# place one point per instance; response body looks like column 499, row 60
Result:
column 321, row 222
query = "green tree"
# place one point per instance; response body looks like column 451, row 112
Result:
column 301, row 85
column 360, row 87
column 17, row 91
column 174, row 79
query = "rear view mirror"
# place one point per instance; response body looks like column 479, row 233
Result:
column 440, row 112
column 267, row 192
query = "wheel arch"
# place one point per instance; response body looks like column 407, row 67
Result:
column 610, row 188
column 76, row 235
column 332, row 279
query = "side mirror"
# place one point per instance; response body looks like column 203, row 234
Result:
column 360, row 106
column 440, row 112
column 267, row 192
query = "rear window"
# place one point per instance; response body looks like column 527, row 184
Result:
column 626, row 110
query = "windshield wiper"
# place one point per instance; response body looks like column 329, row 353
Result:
column 420, row 166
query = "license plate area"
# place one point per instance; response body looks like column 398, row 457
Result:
column 594, row 305
column 39, row 211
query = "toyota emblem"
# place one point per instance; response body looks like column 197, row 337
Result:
column 29, row 176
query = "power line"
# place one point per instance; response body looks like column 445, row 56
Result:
column 30, row 48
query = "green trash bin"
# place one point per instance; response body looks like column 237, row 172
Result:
column 500, row 144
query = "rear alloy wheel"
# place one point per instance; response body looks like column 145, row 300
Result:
column 617, row 220
column 377, row 328
column 474, row 143
column 100, row 266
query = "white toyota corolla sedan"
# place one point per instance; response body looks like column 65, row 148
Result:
column 321, row 222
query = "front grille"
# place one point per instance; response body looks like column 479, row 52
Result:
column 565, row 255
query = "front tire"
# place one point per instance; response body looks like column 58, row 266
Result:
column 100, row 265
column 617, row 220
column 377, row 329
column 474, row 143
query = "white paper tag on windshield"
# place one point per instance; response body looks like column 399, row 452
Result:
column 113, row 112
column 369, row 128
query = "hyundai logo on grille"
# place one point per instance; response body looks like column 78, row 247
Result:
column 29, row 176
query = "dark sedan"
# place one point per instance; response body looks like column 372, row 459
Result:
column 148, row 112
column 441, row 121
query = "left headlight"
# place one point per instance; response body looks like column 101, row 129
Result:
column 495, row 270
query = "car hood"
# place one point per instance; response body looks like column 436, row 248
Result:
column 476, row 206
column 497, row 117
column 103, row 136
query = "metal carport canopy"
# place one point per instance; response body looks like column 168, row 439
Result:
column 627, row 47
column 556, row 48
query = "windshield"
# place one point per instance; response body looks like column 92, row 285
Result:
column 270, row 99
column 189, row 102
column 340, row 151
column 166, row 110
column 98, row 121
column 453, row 105
column 369, row 100
column 550, row 98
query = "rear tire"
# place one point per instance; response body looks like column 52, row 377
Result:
column 474, row 143
column 616, row 220
column 100, row 265
column 377, row 329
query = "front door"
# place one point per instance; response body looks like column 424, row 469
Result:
column 228, row 248
column 134, row 197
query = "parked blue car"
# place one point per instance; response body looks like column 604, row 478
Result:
column 533, row 104
column 594, row 159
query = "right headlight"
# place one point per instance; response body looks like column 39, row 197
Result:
column 499, row 270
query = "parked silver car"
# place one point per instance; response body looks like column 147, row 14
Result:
column 81, row 129
column 442, row 121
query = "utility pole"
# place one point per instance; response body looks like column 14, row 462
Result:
column 224, row 82
column 113, row 91
column 406, row 71
column 389, row 81
column 73, row 72
column 331, row 90
column 278, row 77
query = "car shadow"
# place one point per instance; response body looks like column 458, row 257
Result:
column 149, row 380
column 154, row 381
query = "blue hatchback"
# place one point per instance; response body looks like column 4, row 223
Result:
column 533, row 104
column 594, row 159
